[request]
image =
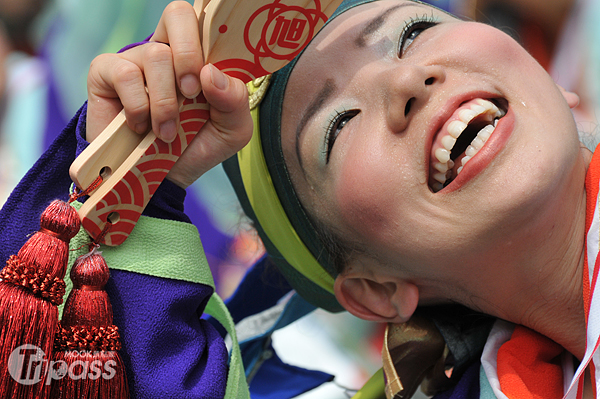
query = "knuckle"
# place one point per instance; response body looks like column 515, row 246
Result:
column 126, row 72
column 158, row 53
column 178, row 7
column 188, row 53
column 167, row 102
column 96, row 65
column 99, row 60
column 166, row 106
column 187, row 60
column 139, row 112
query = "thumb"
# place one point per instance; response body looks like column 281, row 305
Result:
column 226, row 132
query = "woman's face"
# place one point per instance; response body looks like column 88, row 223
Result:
column 370, row 119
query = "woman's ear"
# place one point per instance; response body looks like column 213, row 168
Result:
column 388, row 299
column 572, row 98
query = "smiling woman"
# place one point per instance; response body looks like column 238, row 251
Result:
column 433, row 161
column 391, row 115
column 406, row 161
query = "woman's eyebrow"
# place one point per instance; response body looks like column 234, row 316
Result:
column 315, row 105
column 376, row 23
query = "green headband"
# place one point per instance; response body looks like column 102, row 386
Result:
column 260, row 178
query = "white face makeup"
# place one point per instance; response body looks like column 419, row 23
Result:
column 432, row 142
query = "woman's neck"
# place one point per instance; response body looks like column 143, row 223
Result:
column 557, row 311
column 555, row 308
column 542, row 274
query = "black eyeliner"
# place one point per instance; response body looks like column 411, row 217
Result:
column 332, row 127
column 329, row 133
column 424, row 21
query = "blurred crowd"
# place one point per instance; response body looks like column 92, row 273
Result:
column 46, row 48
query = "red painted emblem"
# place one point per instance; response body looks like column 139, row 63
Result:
column 288, row 28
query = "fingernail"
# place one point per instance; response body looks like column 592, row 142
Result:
column 190, row 86
column 168, row 130
column 218, row 78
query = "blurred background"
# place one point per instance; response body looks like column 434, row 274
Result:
column 46, row 47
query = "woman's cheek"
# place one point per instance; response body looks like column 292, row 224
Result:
column 366, row 194
column 481, row 47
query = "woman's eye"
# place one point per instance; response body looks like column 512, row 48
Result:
column 412, row 31
column 335, row 127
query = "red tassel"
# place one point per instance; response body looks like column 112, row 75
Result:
column 86, row 363
column 31, row 287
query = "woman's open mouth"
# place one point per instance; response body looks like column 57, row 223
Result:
column 461, row 138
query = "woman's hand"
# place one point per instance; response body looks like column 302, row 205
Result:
column 144, row 81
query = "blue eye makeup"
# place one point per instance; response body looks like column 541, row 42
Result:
column 335, row 125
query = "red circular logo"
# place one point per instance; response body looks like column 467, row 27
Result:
column 283, row 30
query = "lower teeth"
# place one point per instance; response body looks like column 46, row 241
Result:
column 477, row 143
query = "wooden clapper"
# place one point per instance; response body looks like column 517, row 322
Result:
column 245, row 39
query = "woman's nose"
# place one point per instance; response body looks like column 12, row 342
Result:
column 408, row 88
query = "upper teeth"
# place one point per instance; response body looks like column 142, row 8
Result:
column 455, row 129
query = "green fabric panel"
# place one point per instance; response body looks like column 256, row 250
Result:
column 157, row 247
column 485, row 389
column 237, row 387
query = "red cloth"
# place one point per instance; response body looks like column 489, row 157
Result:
column 529, row 366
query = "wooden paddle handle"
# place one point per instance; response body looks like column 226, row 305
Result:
column 132, row 170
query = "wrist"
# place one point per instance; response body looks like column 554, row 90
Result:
column 167, row 203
